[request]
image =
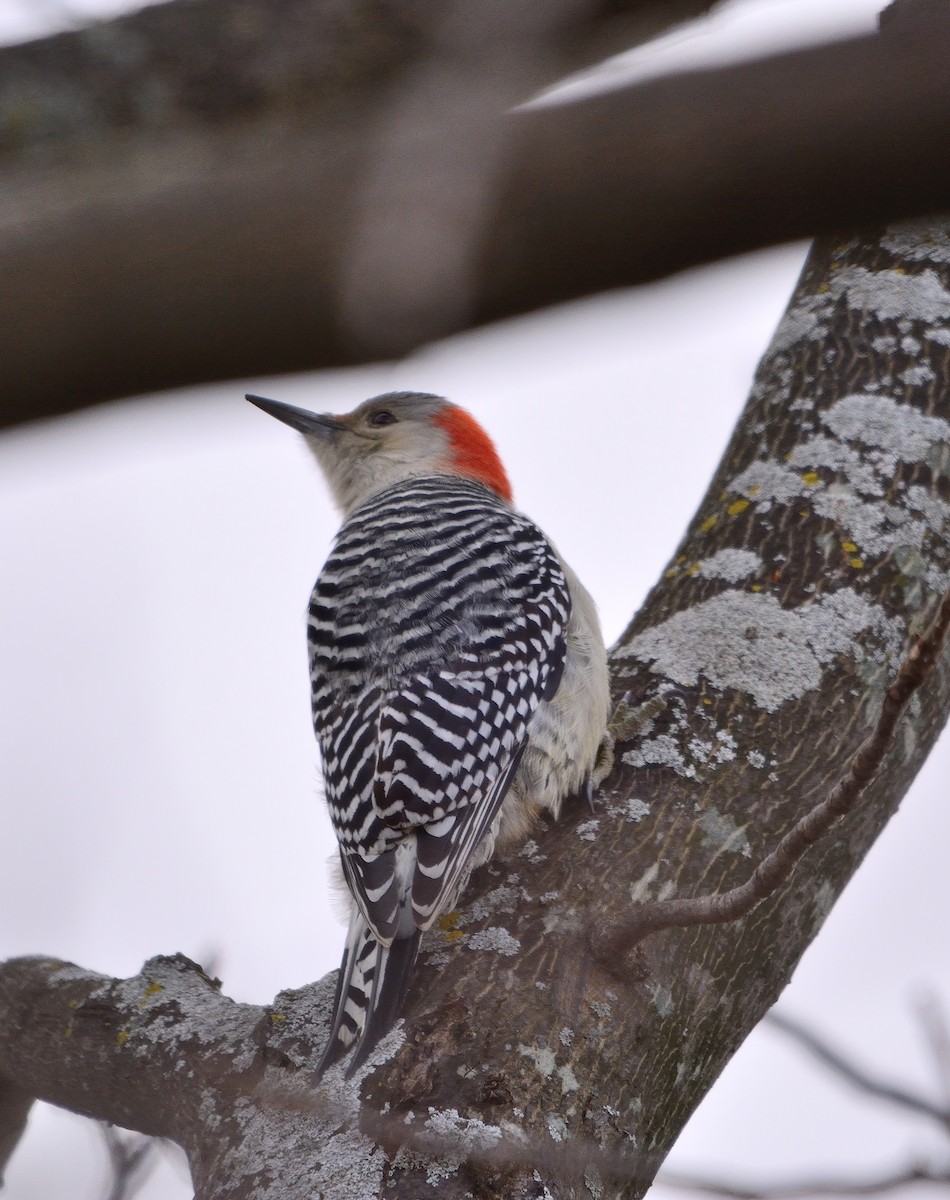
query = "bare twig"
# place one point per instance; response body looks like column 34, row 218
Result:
column 620, row 937
column 856, row 1075
column 933, row 1021
column 15, row 1105
column 861, row 1079
column 825, row 1187
column 131, row 1158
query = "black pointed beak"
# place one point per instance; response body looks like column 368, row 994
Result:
column 298, row 418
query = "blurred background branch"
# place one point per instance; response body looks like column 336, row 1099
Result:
column 131, row 1157
column 879, row 1185
column 198, row 191
column 857, row 1075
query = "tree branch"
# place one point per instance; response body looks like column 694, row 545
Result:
column 247, row 1060
column 95, row 1044
column 299, row 211
column 614, row 941
column 15, row 1105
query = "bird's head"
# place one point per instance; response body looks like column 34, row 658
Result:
column 394, row 437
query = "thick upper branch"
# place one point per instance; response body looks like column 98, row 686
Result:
column 313, row 217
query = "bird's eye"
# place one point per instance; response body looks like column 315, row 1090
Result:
column 382, row 417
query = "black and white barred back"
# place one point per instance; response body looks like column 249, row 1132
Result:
column 425, row 675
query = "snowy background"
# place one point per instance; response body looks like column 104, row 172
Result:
column 158, row 764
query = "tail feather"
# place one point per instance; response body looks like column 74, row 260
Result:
column 370, row 989
column 390, row 983
column 354, row 981
column 405, row 890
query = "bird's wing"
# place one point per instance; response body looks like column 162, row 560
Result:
column 449, row 743
column 448, row 750
column 423, row 696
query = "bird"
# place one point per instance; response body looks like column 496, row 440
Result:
column 458, row 680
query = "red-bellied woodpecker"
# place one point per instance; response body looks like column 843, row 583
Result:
column 459, row 679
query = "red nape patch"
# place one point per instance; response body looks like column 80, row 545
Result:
column 473, row 453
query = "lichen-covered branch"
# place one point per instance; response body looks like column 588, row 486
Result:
column 745, row 687
column 99, row 1045
column 616, row 939
column 342, row 182
column 166, row 1053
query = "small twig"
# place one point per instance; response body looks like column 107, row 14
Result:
column 856, row 1075
column 611, row 944
column 861, row 1079
column 933, row 1021
column 785, row 1191
column 131, row 1159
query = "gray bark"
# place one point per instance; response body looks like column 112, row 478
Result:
column 204, row 191
column 525, row 1066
